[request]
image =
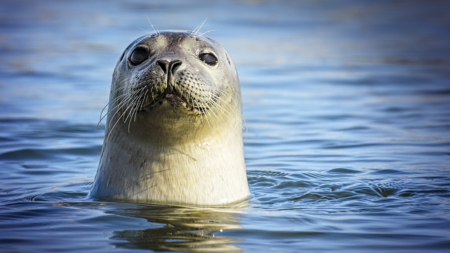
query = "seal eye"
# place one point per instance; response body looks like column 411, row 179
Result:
column 209, row 59
column 138, row 56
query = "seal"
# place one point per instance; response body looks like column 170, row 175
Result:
column 174, row 125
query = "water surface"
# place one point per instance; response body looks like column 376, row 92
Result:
column 348, row 126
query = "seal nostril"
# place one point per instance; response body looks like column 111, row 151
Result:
column 163, row 65
column 169, row 67
column 174, row 65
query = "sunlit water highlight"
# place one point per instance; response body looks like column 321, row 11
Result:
column 346, row 104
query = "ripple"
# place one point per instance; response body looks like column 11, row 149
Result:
column 47, row 154
column 343, row 171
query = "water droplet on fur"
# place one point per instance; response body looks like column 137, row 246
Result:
column 205, row 147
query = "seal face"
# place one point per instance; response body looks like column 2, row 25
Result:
column 174, row 126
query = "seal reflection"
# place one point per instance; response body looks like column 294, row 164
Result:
column 185, row 229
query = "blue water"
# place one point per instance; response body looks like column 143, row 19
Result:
column 347, row 106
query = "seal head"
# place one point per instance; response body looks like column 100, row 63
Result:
column 174, row 126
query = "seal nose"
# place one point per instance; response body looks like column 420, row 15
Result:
column 168, row 66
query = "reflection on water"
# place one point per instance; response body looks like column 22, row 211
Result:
column 346, row 103
column 183, row 229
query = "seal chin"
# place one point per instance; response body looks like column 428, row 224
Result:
column 175, row 101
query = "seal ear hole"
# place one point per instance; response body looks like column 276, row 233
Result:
column 139, row 55
column 208, row 58
column 228, row 59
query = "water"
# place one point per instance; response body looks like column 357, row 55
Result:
column 346, row 103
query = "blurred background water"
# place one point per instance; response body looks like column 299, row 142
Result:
column 347, row 105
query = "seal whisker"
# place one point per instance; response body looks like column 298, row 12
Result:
column 202, row 115
column 206, row 116
column 145, row 98
column 125, row 103
column 122, row 104
column 139, row 104
column 119, row 97
column 136, row 102
column 221, row 103
column 109, row 110
column 206, row 33
column 118, row 108
column 214, row 114
column 144, row 30
column 205, row 103
column 227, row 111
column 245, row 127
column 223, row 93
column 117, row 121
column 197, row 29
column 131, row 108
column 155, row 30
column 130, row 115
